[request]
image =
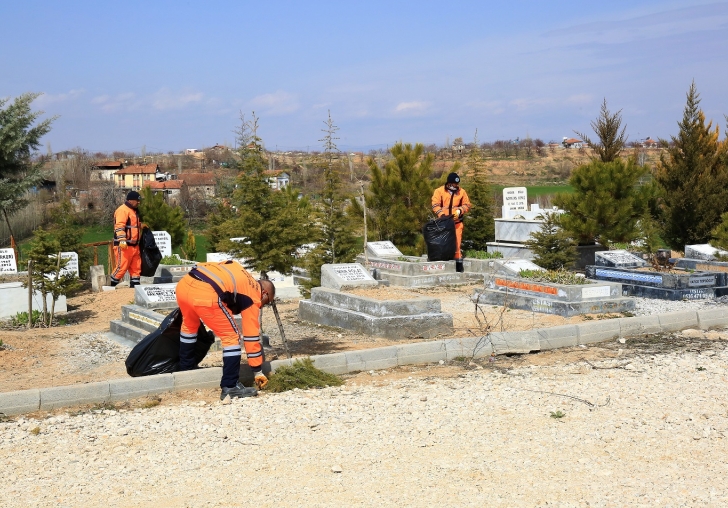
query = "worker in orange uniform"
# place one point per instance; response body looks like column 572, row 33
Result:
column 213, row 293
column 450, row 199
column 127, row 232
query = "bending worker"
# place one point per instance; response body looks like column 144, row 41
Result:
column 450, row 199
column 213, row 293
column 127, row 232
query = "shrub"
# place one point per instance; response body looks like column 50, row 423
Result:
column 302, row 374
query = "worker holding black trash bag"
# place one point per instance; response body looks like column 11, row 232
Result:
column 213, row 293
column 451, row 200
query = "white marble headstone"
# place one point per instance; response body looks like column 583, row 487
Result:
column 345, row 276
column 703, row 251
column 164, row 242
column 156, row 295
column 515, row 266
column 71, row 267
column 7, row 261
column 515, row 198
column 384, row 249
column 618, row 259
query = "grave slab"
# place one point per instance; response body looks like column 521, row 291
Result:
column 98, row 278
column 618, row 259
column 14, row 299
column 515, row 266
column 156, row 296
column 515, row 230
column 703, row 251
column 164, row 242
column 7, row 261
column 342, row 276
column 383, row 250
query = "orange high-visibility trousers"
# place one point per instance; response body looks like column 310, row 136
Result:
column 197, row 301
column 127, row 259
column 458, row 239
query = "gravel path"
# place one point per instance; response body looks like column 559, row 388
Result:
column 646, row 427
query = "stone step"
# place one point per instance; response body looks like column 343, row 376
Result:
column 128, row 331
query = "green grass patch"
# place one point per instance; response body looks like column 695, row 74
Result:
column 481, row 254
column 303, row 375
column 554, row 277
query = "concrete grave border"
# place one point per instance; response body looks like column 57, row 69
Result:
column 28, row 401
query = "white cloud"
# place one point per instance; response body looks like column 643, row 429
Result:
column 412, row 107
column 276, row 103
column 580, row 99
column 165, row 99
column 120, row 102
column 49, row 98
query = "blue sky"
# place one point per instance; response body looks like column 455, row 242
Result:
column 170, row 75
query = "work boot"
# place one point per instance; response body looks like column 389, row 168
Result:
column 459, row 266
column 237, row 391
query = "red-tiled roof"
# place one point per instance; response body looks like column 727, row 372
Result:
column 167, row 185
column 571, row 141
column 197, row 179
column 109, row 164
column 137, row 169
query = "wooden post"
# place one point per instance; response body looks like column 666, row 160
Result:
column 96, row 255
column 30, row 293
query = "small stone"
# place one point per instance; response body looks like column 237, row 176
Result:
column 227, row 400
column 441, row 362
column 423, row 399
column 622, row 341
column 336, row 469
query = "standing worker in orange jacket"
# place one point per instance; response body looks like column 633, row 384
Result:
column 450, row 199
column 127, row 232
column 213, row 293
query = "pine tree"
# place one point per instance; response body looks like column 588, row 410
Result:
column 553, row 248
column 611, row 140
column 18, row 139
column 478, row 224
column 608, row 203
column 399, row 197
column 334, row 228
column 44, row 252
column 65, row 228
column 189, row 249
column 693, row 175
column 159, row 216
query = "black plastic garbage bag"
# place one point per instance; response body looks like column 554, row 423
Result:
column 440, row 239
column 158, row 352
column 150, row 254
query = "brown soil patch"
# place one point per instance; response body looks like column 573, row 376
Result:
column 383, row 293
column 78, row 353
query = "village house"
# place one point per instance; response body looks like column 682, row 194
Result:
column 105, row 170
column 173, row 191
column 277, row 179
column 134, row 177
column 572, row 143
column 199, row 185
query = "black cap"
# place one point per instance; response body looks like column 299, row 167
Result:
column 453, row 178
column 133, row 196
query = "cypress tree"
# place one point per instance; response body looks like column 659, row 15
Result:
column 693, row 175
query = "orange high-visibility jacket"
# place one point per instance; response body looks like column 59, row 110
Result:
column 233, row 279
column 445, row 203
column 127, row 225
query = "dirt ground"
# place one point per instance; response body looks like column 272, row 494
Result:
column 79, row 352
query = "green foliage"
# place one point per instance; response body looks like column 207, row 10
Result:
column 693, row 175
column 553, row 247
column 21, row 318
column 18, row 139
column 275, row 223
column 481, row 254
column 189, row 249
column 159, row 216
column 171, row 260
column 333, row 228
column 303, row 375
column 44, row 254
column 64, row 227
column 557, row 414
column 611, row 140
column 399, row 197
column 478, row 224
column 719, row 234
column 608, row 203
column 554, row 277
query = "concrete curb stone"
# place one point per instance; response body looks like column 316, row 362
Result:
column 710, row 318
column 598, row 331
column 512, row 342
column 558, row 336
column 642, row 325
column 199, row 378
column 61, row 396
column 123, row 389
column 680, row 320
column 421, row 352
column 20, row 401
column 371, row 359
